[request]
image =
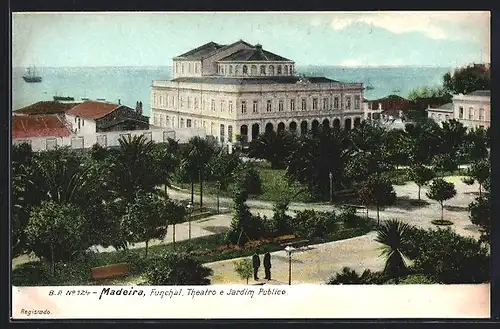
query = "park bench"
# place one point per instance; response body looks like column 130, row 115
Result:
column 109, row 271
column 296, row 243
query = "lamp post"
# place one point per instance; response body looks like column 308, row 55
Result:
column 190, row 209
column 289, row 250
column 331, row 184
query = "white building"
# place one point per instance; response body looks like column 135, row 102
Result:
column 473, row 109
column 242, row 89
column 441, row 113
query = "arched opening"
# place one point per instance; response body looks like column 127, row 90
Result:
column 336, row 123
column 269, row 127
column 230, row 70
column 357, row 122
column 244, row 133
column 293, row 126
column 245, row 69
column 303, row 127
column 262, row 70
column 326, row 123
column 236, row 70
column 285, row 70
column 253, row 70
column 315, row 125
column 255, row 130
column 271, row 70
column 348, row 124
column 229, row 133
column 279, row 69
column 281, row 127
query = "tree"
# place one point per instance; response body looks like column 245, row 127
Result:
column 394, row 237
column 444, row 162
column 350, row 276
column 475, row 145
column 222, row 166
column 440, row 191
column 421, row 140
column 378, row 191
column 166, row 161
column 177, row 269
column 57, row 232
column 247, row 176
column 145, row 220
column 198, row 154
column 280, row 218
column 478, row 171
column 452, row 136
column 132, row 170
column 273, row 147
column 421, row 175
column 480, row 214
column 467, row 79
column 426, row 92
column 244, row 268
column 175, row 213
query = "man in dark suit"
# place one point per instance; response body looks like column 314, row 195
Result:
column 267, row 265
column 256, row 265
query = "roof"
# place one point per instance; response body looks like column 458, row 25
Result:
column 253, row 80
column 45, row 107
column 254, row 54
column 201, row 51
column 484, row 93
column 92, row 109
column 448, row 107
column 26, row 126
column 391, row 98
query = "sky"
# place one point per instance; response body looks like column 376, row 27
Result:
column 309, row 38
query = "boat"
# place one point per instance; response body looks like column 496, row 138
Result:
column 31, row 76
column 64, row 98
column 85, row 98
column 101, row 99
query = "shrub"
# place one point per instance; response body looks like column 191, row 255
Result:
column 350, row 276
column 311, row 224
column 177, row 269
column 348, row 216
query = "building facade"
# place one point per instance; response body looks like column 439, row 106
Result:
column 441, row 113
column 473, row 109
column 244, row 90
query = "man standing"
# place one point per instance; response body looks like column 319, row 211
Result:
column 256, row 265
column 267, row 265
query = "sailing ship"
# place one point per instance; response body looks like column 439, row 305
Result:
column 63, row 98
column 369, row 86
column 31, row 76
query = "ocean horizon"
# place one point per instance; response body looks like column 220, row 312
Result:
column 129, row 84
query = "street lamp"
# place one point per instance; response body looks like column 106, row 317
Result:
column 289, row 250
column 331, row 184
column 190, row 209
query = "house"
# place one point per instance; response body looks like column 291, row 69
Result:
column 45, row 107
column 48, row 127
column 242, row 90
column 441, row 113
column 473, row 110
column 389, row 107
column 91, row 117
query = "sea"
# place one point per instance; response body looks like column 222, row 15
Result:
column 132, row 84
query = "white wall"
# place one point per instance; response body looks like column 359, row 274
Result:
column 87, row 126
column 111, row 139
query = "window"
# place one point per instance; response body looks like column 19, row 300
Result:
column 181, row 100
column 292, row 105
column 176, row 67
column 50, row 143
column 447, row 117
column 190, row 67
column 229, row 133
column 460, row 112
column 167, row 121
column 77, row 142
column 304, row 104
column 182, row 68
column 315, row 103
column 335, row 102
column 213, row 105
column 222, row 132
column 285, row 70
column 439, row 116
column 102, row 140
column 279, row 69
column 271, row 70
column 230, row 69
column 348, row 102
column 255, row 107
column 325, row 103
column 236, row 70
column 471, row 113
column 156, row 120
column 182, row 123
column 222, row 105
column 79, row 123
column 197, row 68
column 245, row 69
column 262, row 70
column 253, row 70
column 161, row 120
column 357, row 101
column 432, row 115
column 280, row 106
column 269, row 107
column 188, row 123
column 196, row 103
column 243, row 107
column 230, row 106
column 481, row 114
column 75, row 119
column 189, row 102
column 204, row 124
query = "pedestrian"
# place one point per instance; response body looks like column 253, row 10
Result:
column 267, row 265
column 256, row 265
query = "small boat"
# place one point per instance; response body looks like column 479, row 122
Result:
column 64, row 98
column 101, row 99
column 84, row 98
column 31, row 76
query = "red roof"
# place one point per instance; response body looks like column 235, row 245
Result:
column 92, row 109
column 45, row 107
column 26, row 126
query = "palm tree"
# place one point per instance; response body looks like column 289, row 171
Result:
column 198, row 154
column 395, row 238
column 133, row 171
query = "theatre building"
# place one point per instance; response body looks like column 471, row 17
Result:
column 243, row 89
